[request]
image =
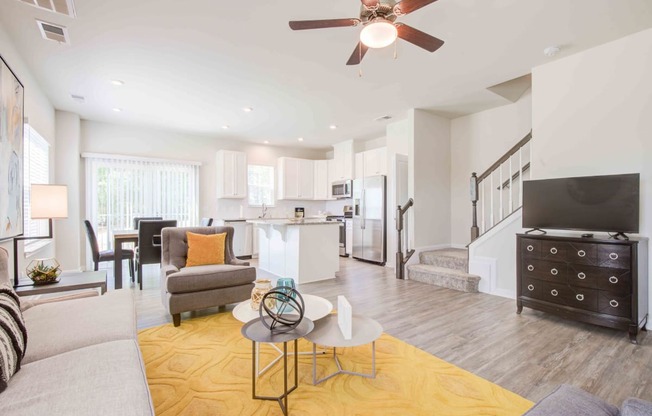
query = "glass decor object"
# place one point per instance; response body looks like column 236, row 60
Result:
column 44, row 271
column 284, row 284
column 261, row 287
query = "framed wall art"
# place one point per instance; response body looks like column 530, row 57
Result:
column 12, row 97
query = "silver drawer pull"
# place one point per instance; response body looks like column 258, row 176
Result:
column 530, row 267
column 613, row 279
column 613, row 256
column 553, row 250
column 530, row 248
column 581, row 253
column 579, row 297
column 581, row 275
column 530, row 287
column 554, row 292
column 554, row 272
column 613, row 303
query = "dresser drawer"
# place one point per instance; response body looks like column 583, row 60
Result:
column 615, row 256
column 545, row 270
column 554, row 250
column 584, row 276
column 613, row 304
column 530, row 247
column 616, row 281
column 582, row 253
column 561, row 294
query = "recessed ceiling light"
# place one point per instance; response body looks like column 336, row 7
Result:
column 247, row 109
column 226, row 127
column 117, row 82
column 333, row 127
column 266, row 142
column 300, row 139
column 117, row 110
column 551, row 51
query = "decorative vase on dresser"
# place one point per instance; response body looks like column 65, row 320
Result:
column 598, row 281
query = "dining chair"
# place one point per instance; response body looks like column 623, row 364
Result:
column 149, row 244
column 206, row 222
column 106, row 255
column 139, row 219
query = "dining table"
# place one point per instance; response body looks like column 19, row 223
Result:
column 121, row 237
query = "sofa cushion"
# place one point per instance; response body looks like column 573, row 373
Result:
column 13, row 335
column 636, row 407
column 55, row 328
column 205, row 249
column 198, row 278
column 104, row 379
column 567, row 400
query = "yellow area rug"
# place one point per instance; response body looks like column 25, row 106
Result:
column 203, row 367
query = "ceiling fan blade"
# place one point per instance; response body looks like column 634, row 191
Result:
column 323, row 24
column 419, row 38
column 408, row 6
column 357, row 55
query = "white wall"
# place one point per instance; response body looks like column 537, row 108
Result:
column 477, row 141
column 397, row 144
column 429, row 179
column 592, row 114
column 40, row 114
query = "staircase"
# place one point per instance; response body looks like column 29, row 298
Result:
column 446, row 268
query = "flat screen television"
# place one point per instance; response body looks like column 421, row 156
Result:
column 593, row 203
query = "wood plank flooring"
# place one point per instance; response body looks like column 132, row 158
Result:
column 529, row 354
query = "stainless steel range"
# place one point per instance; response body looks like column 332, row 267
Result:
column 342, row 219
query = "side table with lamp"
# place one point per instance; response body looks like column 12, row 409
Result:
column 46, row 202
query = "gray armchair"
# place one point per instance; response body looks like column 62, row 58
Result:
column 185, row 289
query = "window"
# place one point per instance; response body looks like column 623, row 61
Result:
column 119, row 188
column 260, row 181
column 36, row 170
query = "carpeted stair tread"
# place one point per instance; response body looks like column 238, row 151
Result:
column 445, row 277
column 451, row 258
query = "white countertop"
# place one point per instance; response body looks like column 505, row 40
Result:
column 306, row 221
column 264, row 219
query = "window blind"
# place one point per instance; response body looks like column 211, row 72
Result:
column 36, row 171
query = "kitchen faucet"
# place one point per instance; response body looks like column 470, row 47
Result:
column 264, row 211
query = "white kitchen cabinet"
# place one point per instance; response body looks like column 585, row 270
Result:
column 371, row 163
column 321, row 180
column 349, row 235
column 331, row 177
column 231, row 174
column 343, row 154
column 359, row 165
column 295, row 178
column 243, row 237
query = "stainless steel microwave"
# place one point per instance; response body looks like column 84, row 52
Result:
column 342, row 189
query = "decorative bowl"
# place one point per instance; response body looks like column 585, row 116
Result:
column 44, row 271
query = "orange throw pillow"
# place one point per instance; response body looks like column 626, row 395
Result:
column 205, row 249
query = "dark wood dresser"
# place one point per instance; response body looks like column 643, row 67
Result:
column 599, row 281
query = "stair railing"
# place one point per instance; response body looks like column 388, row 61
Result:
column 498, row 191
column 402, row 258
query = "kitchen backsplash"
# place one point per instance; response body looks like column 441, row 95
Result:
column 231, row 208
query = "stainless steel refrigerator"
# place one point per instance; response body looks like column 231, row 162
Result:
column 369, row 225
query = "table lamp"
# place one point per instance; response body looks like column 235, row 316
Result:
column 46, row 202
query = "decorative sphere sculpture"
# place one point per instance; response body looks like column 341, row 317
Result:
column 287, row 300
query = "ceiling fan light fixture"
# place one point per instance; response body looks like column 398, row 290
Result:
column 379, row 33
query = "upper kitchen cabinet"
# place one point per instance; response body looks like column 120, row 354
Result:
column 295, row 178
column 331, row 177
column 371, row 163
column 344, row 155
column 231, row 174
column 322, row 183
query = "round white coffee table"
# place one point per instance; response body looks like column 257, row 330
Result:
column 316, row 308
column 328, row 334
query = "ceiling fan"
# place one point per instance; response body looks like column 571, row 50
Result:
column 380, row 29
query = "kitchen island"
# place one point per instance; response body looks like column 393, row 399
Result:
column 306, row 251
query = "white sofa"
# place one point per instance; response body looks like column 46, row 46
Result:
column 82, row 358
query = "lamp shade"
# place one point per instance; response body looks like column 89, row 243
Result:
column 49, row 201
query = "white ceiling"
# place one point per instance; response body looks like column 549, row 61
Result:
column 193, row 65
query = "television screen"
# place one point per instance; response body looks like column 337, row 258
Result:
column 592, row 203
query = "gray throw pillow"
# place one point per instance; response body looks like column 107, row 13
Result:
column 567, row 400
column 636, row 407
